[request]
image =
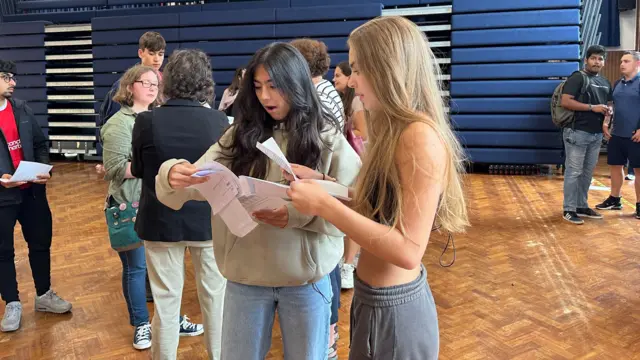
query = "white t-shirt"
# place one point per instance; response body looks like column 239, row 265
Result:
column 330, row 99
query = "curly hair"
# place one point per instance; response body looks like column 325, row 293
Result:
column 188, row 75
column 124, row 96
column 316, row 54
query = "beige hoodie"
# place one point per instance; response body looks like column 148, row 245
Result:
column 307, row 249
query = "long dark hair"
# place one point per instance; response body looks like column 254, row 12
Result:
column 304, row 123
column 235, row 83
column 349, row 93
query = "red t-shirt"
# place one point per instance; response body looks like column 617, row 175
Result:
column 10, row 130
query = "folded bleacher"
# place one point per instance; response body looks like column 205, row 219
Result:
column 507, row 58
column 230, row 37
column 23, row 43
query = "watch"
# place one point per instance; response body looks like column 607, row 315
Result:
column 590, row 107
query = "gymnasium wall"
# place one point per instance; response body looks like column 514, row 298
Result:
column 506, row 56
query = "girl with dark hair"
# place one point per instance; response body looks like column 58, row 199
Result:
column 352, row 105
column 284, row 263
column 230, row 93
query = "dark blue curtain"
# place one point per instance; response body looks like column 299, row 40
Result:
column 610, row 23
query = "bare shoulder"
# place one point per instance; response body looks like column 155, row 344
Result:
column 420, row 145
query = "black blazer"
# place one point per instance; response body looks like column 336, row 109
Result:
column 180, row 129
column 35, row 147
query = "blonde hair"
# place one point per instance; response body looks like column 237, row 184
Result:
column 395, row 58
column 124, row 96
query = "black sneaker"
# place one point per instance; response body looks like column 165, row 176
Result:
column 588, row 213
column 572, row 217
column 142, row 337
column 612, row 203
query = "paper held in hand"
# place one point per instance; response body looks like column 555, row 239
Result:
column 28, row 171
column 236, row 198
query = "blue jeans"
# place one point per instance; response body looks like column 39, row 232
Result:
column 303, row 312
column 134, row 272
column 581, row 150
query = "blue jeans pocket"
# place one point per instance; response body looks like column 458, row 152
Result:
column 323, row 287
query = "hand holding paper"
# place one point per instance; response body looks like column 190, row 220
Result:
column 308, row 197
column 272, row 150
column 29, row 171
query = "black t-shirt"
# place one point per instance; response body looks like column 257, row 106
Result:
column 599, row 92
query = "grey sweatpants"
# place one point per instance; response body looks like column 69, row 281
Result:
column 394, row 323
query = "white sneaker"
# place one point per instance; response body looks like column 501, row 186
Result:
column 51, row 302
column 346, row 275
column 12, row 317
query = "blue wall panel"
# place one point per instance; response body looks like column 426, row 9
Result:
column 475, row 6
column 499, row 122
column 515, row 54
column 492, row 37
column 516, row 19
column 253, row 16
column 514, row 156
column 503, row 88
column 507, row 57
column 500, row 105
column 129, row 36
column 135, row 22
column 513, row 71
column 511, row 139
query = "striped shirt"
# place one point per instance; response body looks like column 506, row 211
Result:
column 331, row 100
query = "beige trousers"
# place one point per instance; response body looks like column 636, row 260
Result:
column 165, row 265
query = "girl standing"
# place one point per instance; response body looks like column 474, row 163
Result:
column 284, row 263
column 410, row 181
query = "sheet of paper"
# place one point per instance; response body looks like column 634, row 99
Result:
column 218, row 191
column 272, row 150
column 254, row 203
column 28, row 171
column 263, row 188
column 238, row 219
column 221, row 187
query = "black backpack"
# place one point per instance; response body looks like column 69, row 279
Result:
column 560, row 116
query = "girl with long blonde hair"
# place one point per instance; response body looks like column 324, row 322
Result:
column 410, row 182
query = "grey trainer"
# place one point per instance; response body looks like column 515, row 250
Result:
column 12, row 317
column 51, row 302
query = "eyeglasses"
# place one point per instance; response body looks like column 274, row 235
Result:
column 146, row 84
column 8, row 77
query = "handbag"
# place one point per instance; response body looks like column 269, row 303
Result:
column 121, row 219
column 356, row 142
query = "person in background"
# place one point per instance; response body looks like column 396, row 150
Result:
column 583, row 138
column 354, row 111
column 318, row 60
column 151, row 49
column 21, row 139
column 411, row 182
column 317, row 56
column 137, row 93
column 185, row 127
column 624, row 137
column 283, row 265
column 230, row 93
column 357, row 125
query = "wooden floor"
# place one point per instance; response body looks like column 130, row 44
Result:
column 526, row 284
